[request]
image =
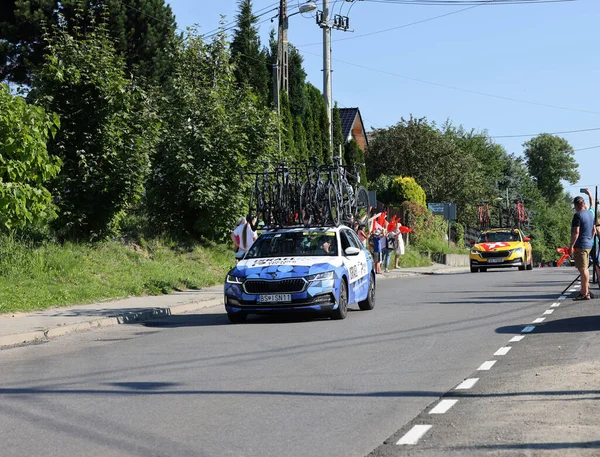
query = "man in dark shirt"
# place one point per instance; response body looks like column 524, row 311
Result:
column 582, row 234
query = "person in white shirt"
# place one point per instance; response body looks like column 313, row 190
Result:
column 235, row 236
column 246, row 234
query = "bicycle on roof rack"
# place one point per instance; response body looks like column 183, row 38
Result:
column 326, row 196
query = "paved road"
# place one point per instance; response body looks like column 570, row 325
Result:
column 193, row 385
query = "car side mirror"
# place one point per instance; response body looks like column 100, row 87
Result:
column 239, row 255
column 352, row 251
column 526, row 239
column 472, row 241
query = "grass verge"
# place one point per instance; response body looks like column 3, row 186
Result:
column 34, row 277
column 413, row 258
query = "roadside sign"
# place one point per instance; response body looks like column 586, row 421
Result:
column 448, row 210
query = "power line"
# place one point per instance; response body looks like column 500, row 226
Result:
column 228, row 26
column 474, row 4
column 353, row 37
column 445, row 86
column 585, row 149
column 550, row 133
column 465, row 2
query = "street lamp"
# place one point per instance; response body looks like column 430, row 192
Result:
column 306, row 8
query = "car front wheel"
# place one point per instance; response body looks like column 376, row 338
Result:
column 369, row 302
column 342, row 309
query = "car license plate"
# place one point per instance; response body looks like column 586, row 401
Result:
column 500, row 260
column 275, row 298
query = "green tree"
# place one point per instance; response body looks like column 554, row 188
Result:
column 212, row 130
column 353, row 154
column 320, row 123
column 107, row 131
column 382, row 185
column 297, row 82
column 416, row 148
column 313, row 136
column 250, row 60
column 338, row 136
column 550, row 159
column 300, row 139
column 25, row 165
column 288, row 145
column 143, row 32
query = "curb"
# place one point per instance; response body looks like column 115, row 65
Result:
column 44, row 334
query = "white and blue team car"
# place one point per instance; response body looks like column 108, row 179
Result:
column 302, row 269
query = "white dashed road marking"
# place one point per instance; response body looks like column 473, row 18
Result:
column 514, row 339
column 443, row 406
column 414, row 434
column 572, row 290
column 503, row 351
column 467, row 384
column 548, row 311
column 486, row 365
column 538, row 320
column 554, row 305
column 562, row 297
column 528, row 329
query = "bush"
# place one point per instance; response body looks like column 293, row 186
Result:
column 407, row 189
column 25, row 164
column 107, row 131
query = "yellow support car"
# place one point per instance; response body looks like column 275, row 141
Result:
column 501, row 248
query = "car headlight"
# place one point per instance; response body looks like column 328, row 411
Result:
column 475, row 252
column 518, row 251
column 234, row 279
column 320, row 276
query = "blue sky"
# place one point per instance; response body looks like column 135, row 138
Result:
column 545, row 54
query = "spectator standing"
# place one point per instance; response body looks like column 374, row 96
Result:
column 377, row 241
column 582, row 233
column 390, row 247
column 399, row 244
column 246, row 233
column 235, row 236
column 362, row 234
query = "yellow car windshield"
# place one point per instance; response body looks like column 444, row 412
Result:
column 494, row 237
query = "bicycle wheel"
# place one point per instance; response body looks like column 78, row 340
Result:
column 306, row 205
column 320, row 205
column 285, row 204
column 333, row 206
column 254, row 205
column 362, row 203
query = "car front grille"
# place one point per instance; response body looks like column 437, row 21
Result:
column 259, row 286
column 488, row 254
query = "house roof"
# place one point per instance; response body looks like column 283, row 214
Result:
column 348, row 117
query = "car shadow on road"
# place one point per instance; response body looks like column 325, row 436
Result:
column 530, row 447
column 207, row 320
column 567, row 325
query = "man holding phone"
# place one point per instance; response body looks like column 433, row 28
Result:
column 582, row 233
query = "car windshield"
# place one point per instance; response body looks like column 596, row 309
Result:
column 494, row 237
column 297, row 243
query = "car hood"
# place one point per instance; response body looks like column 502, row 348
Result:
column 285, row 267
column 498, row 246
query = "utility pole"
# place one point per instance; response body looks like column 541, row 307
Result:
column 280, row 69
column 282, row 47
column 326, row 26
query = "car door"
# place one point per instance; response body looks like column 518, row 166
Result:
column 356, row 265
